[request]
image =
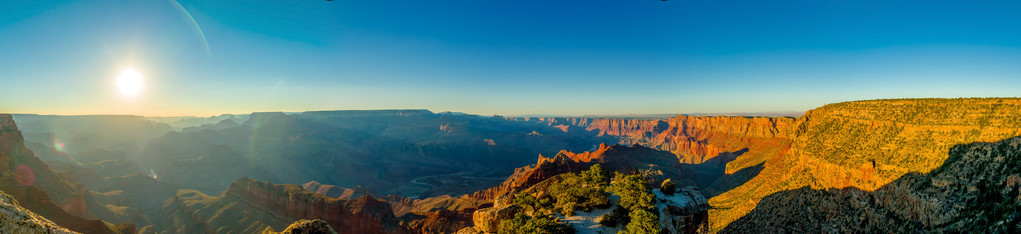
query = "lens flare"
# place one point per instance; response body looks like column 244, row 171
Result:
column 24, row 174
column 198, row 29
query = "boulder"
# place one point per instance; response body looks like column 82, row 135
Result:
column 487, row 220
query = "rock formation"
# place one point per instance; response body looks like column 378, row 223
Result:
column 17, row 219
column 305, row 226
column 684, row 211
column 276, row 206
column 442, row 221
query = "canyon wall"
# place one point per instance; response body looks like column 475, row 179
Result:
column 694, row 139
column 869, row 144
column 30, row 181
column 974, row 191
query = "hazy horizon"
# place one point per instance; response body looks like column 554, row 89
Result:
column 640, row 115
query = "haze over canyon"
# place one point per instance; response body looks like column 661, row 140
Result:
column 898, row 165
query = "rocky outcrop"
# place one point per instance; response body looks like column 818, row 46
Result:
column 305, row 226
column 325, row 190
column 627, row 159
column 488, row 219
column 363, row 215
column 274, row 206
column 524, row 178
column 338, row 192
column 684, row 211
column 443, row 221
column 17, row 219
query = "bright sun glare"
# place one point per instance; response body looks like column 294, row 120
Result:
column 130, row 82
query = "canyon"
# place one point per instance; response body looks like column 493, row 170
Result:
column 411, row 171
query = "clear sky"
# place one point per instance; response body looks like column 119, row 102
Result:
column 500, row 56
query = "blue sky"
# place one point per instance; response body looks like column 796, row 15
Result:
column 500, row 57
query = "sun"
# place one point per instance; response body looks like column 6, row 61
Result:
column 130, row 82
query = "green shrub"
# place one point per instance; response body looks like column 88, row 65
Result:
column 522, row 223
column 642, row 222
column 526, row 202
column 583, row 192
column 595, row 175
column 607, row 220
column 633, row 191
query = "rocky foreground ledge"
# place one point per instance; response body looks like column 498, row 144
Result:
column 17, row 219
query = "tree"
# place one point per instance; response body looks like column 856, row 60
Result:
column 526, row 202
column 581, row 191
column 595, row 175
column 633, row 191
column 512, row 225
column 642, row 222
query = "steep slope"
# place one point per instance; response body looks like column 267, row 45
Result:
column 975, row 190
column 251, row 206
column 17, row 219
column 868, row 144
column 30, row 181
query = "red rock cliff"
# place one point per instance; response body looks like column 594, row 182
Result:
column 694, row 139
column 363, row 215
